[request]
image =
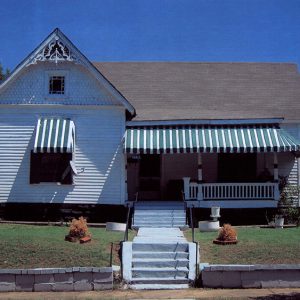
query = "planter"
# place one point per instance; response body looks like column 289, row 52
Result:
column 72, row 239
column 218, row 242
column 279, row 221
column 85, row 239
column 112, row 226
column 206, row 226
column 215, row 212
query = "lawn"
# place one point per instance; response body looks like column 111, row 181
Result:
column 26, row 246
column 255, row 246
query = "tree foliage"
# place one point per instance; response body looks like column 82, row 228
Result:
column 3, row 74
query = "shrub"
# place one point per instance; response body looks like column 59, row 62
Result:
column 286, row 205
column 227, row 233
column 78, row 228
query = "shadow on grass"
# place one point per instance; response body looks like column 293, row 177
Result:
column 291, row 295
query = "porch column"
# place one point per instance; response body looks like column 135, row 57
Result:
column 186, row 187
column 200, row 178
column 298, row 177
column 125, row 178
column 276, row 178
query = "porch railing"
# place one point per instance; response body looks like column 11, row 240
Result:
column 231, row 191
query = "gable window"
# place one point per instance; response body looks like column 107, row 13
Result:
column 51, row 167
column 56, row 85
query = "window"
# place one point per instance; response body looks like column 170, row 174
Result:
column 56, row 85
column 51, row 167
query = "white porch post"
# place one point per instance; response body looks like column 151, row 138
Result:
column 125, row 177
column 298, row 177
column 276, row 178
column 200, row 178
column 186, row 187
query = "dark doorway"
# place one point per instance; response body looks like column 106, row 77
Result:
column 149, row 177
column 237, row 167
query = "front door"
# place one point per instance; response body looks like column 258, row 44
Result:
column 238, row 167
column 149, row 177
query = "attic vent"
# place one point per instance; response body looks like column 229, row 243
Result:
column 55, row 51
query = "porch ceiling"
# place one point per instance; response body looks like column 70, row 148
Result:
column 209, row 139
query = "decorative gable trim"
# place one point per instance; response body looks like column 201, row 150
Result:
column 55, row 51
column 58, row 48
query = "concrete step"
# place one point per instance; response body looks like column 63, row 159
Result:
column 161, row 247
column 154, row 283
column 157, row 216
column 154, row 280
column 149, row 224
column 162, row 255
column 160, row 211
column 155, row 204
column 159, row 263
column 159, row 223
column 163, row 219
column 181, row 272
column 159, row 286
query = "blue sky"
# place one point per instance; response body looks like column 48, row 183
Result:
column 156, row 30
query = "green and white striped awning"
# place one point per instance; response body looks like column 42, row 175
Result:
column 54, row 135
column 209, row 139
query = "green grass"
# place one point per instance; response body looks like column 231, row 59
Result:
column 25, row 246
column 255, row 246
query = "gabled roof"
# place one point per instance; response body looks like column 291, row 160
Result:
column 57, row 47
column 194, row 90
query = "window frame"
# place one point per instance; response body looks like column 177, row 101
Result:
column 53, row 82
column 56, row 73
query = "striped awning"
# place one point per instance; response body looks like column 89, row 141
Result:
column 54, row 135
column 209, row 139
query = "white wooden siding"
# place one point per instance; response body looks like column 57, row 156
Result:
column 99, row 134
column 31, row 87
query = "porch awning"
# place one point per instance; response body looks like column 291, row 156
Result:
column 55, row 135
column 209, row 139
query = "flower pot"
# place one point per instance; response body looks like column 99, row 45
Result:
column 206, row 226
column 113, row 226
column 215, row 212
column 279, row 221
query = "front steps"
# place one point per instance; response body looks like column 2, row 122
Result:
column 159, row 258
column 159, row 214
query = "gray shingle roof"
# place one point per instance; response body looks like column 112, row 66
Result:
column 179, row 90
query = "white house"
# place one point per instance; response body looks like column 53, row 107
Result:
column 73, row 132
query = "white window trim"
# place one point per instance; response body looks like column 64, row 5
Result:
column 48, row 75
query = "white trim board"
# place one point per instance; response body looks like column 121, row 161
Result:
column 205, row 122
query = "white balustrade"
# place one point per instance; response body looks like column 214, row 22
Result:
column 232, row 191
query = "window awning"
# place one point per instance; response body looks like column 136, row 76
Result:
column 55, row 135
column 209, row 139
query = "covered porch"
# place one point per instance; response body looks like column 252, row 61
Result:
column 231, row 166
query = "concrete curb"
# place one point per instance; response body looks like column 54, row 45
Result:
column 56, row 279
column 251, row 276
